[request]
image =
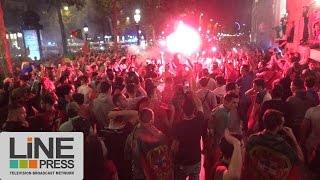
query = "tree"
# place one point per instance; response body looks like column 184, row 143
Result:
column 58, row 5
column 4, row 47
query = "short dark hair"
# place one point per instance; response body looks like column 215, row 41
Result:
column 229, row 96
column 189, row 105
column 131, row 88
column 272, row 119
column 260, row 82
column 78, row 98
column 220, row 80
column 146, row 115
column 105, row 86
column 277, row 91
column 298, row 83
column 227, row 148
column 310, row 82
column 231, row 86
column 168, row 80
column 49, row 98
column 246, row 67
column 64, row 90
column 204, row 81
column 116, row 98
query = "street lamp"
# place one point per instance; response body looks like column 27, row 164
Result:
column 137, row 18
column 86, row 29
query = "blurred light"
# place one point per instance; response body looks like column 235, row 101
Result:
column 66, row 8
column 199, row 29
column 85, row 28
column 101, row 48
column 211, row 20
column 162, row 43
column 201, row 14
column 184, row 40
column 214, row 49
column 19, row 35
column 137, row 11
column 162, row 32
column 139, row 31
column 208, row 31
column 234, row 49
column 317, row 2
column 203, row 53
column 128, row 18
column 49, row 43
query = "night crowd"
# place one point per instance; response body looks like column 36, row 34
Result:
column 247, row 114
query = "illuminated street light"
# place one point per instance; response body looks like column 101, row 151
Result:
column 19, row 35
column 137, row 18
column 86, row 29
column 66, row 8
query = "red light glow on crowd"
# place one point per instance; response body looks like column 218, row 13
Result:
column 184, row 40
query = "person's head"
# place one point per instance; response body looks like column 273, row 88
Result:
column 146, row 116
column 231, row 100
column 245, row 69
column 168, row 81
column 105, row 87
column 259, row 84
column 203, row 82
column 188, row 106
column 72, row 109
column 227, row 148
column 131, row 89
column 17, row 112
column 47, row 101
column 120, row 100
column 78, row 98
column 205, row 72
column 310, row 82
column 273, row 120
column 220, row 80
column 277, row 91
column 84, row 80
column 66, row 91
column 232, row 87
column 313, row 65
column 297, row 85
column 153, row 93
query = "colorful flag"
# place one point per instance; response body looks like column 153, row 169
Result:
column 77, row 34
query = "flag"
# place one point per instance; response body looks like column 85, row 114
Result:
column 77, row 34
column 86, row 47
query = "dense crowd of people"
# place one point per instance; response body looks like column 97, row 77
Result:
column 249, row 114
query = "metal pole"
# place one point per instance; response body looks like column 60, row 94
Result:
column 138, row 35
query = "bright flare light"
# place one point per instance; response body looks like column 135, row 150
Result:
column 184, row 40
column 317, row 2
column 214, row 49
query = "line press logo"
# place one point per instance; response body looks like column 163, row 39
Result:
column 41, row 155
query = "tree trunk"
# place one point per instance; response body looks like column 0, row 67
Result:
column 115, row 27
column 62, row 29
column 4, row 48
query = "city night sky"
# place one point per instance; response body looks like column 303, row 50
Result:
column 227, row 11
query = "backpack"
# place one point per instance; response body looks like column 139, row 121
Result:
column 159, row 162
